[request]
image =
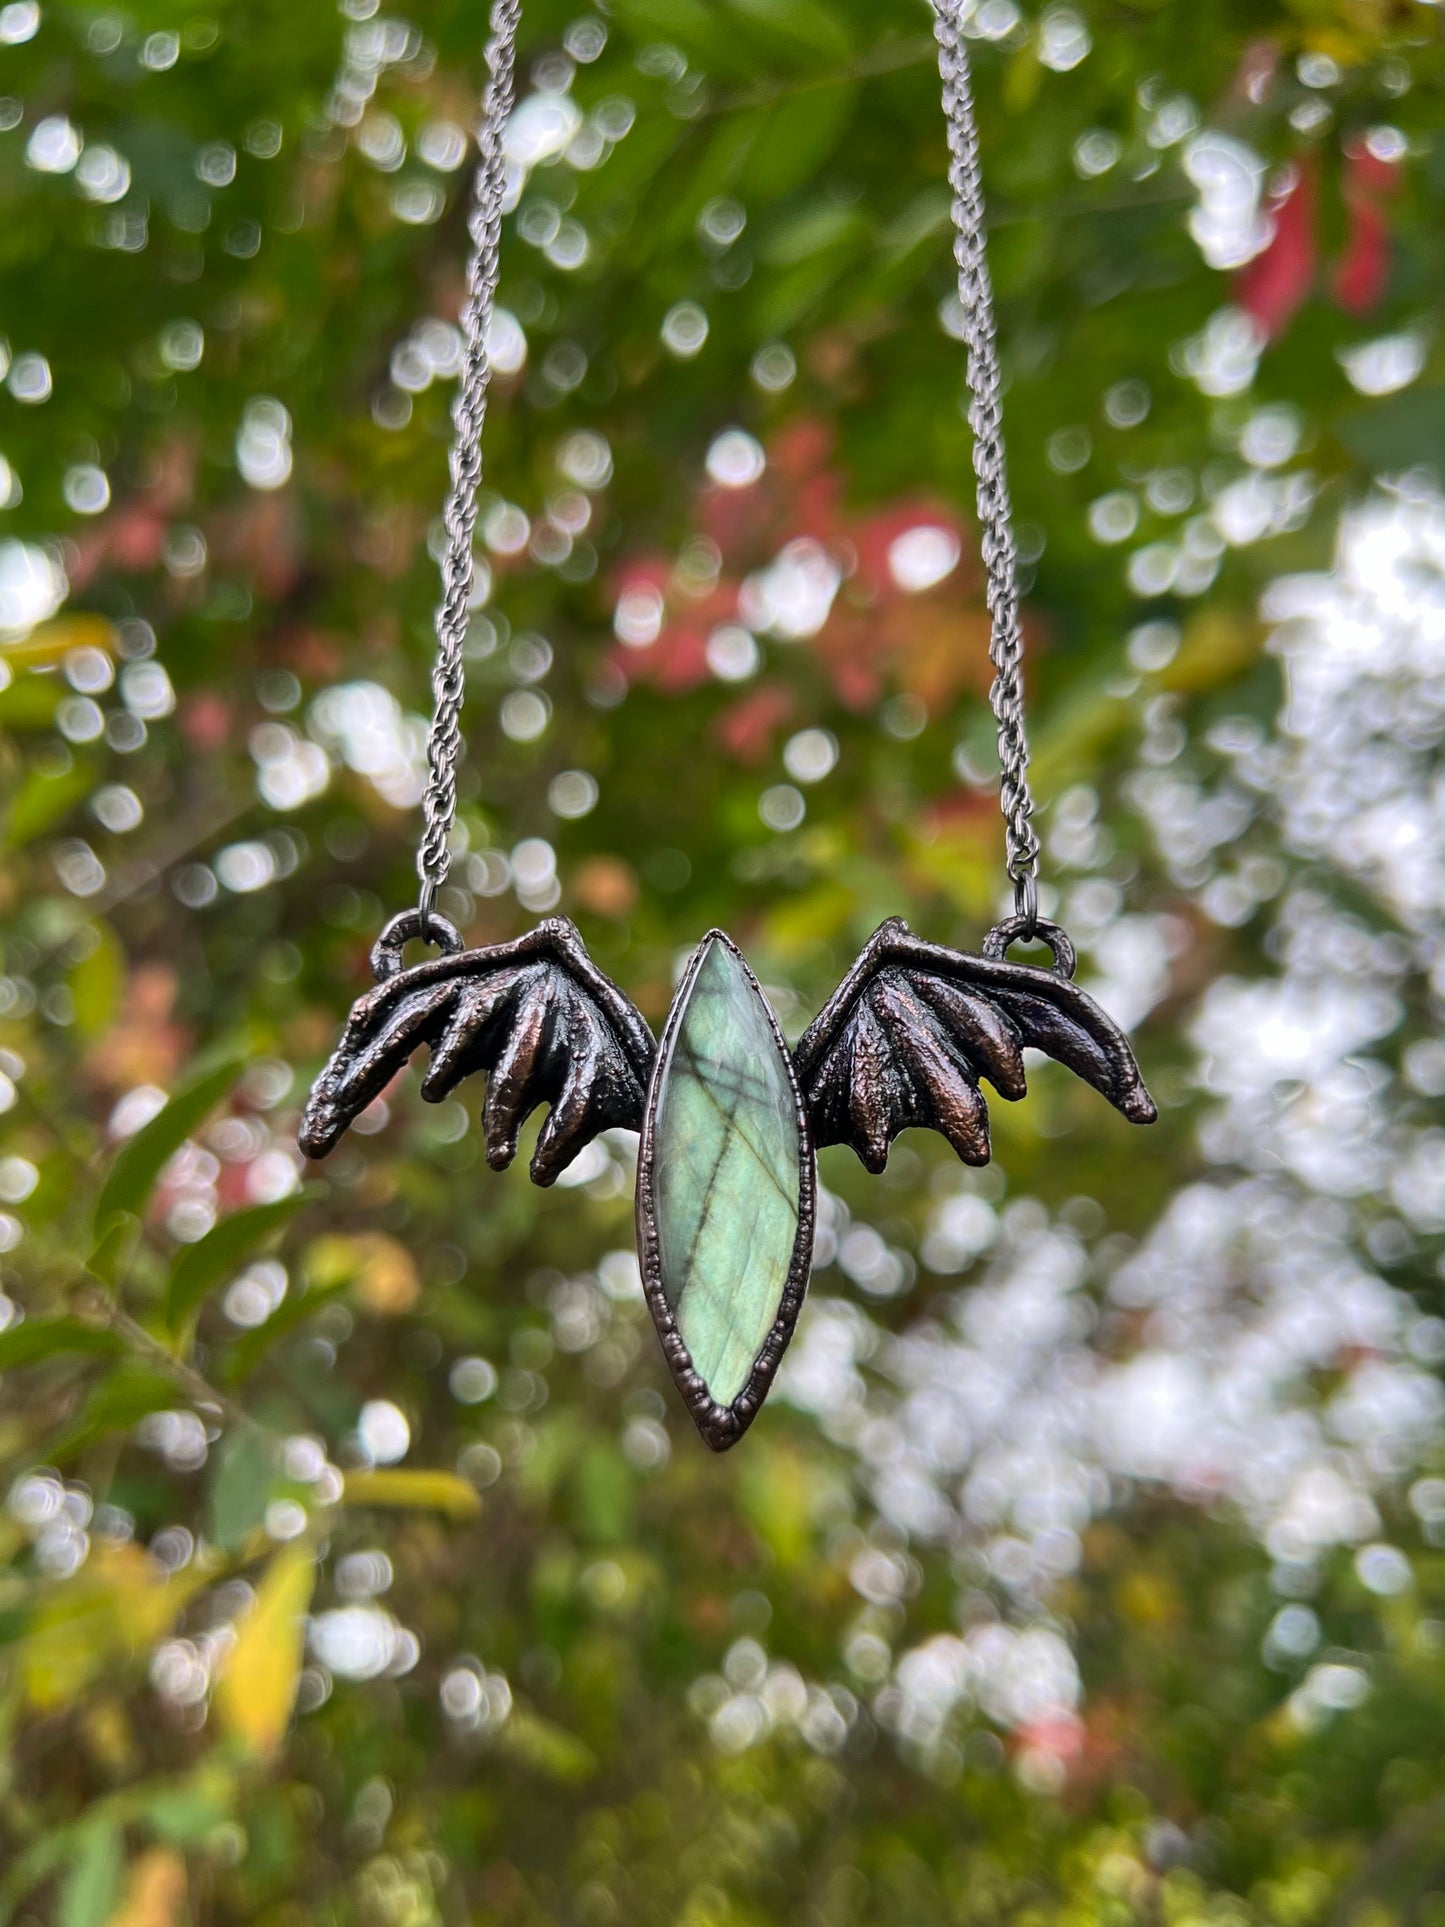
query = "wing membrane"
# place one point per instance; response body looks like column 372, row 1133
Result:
column 536, row 1016
column 913, row 1028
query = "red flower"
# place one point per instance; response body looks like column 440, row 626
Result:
column 874, row 538
column 1275, row 285
column 746, row 730
column 802, row 448
column 1360, row 275
column 1060, row 1733
column 205, row 721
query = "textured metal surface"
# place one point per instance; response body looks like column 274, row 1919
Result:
column 536, row 1015
column 722, row 1425
column 903, row 1042
column 912, row 1028
column 445, row 747
column 387, row 950
column 1036, row 930
column 985, row 415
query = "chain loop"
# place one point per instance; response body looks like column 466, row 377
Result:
column 1026, row 900
column 985, row 417
column 444, row 745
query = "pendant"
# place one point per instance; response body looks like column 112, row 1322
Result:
column 725, row 1192
column 729, row 1117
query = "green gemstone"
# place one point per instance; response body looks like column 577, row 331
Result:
column 726, row 1158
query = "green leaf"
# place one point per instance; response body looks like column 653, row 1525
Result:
column 797, row 292
column 29, row 703
column 707, row 39
column 806, row 27
column 790, row 33
column 241, row 1485
column 186, row 1813
column 248, row 1352
column 97, row 983
column 113, row 1248
column 90, row 1887
column 126, row 1395
column 144, row 1156
column 223, row 1250
column 41, row 1338
column 815, row 229
column 43, row 799
column 547, row 1748
column 605, row 1488
column 719, row 170
column 796, row 138
column 1403, row 431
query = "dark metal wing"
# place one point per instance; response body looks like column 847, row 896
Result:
column 912, row 1028
column 536, row 1015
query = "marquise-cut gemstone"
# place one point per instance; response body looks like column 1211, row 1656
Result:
column 726, row 1157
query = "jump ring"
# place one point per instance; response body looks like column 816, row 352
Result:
column 386, row 951
column 1015, row 930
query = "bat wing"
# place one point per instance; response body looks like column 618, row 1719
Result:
column 536, row 1015
column 910, row 1031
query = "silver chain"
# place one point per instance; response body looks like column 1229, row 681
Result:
column 985, row 417
column 444, row 745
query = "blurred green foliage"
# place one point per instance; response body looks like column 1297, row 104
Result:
column 563, row 1665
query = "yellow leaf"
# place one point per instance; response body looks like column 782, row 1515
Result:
column 547, row 1748
column 781, row 1495
column 53, row 641
column 961, row 862
column 1350, row 49
column 1219, row 646
column 115, row 1608
column 415, row 1491
column 1081, row 731
column 817, row 916
column 155, row 1891
column 381, row 1271
column 257, row 1690
column 108, row 1735
column 1148, row 1599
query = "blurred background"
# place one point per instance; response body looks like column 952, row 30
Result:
column 1086, row 1563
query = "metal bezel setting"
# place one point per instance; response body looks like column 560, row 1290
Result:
column 722, row 1425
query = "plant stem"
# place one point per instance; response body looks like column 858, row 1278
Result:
column 98, row 1305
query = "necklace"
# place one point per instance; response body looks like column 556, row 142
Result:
column 729, row 1118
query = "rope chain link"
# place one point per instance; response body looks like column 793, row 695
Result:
column 985, row 417
column 469, row 409
column 975, row 293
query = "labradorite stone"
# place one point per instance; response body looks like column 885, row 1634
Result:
column 726, row 1161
